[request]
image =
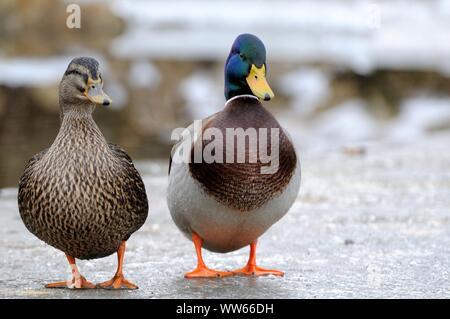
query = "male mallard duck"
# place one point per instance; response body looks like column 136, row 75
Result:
column 224, row 206
column 83, row 195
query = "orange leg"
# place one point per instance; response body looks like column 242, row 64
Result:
column 118, row 281
column 77, row 281
column 202, row 271
column 252, row 270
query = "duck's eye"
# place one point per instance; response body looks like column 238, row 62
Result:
column 242, row 56
column 256, row 77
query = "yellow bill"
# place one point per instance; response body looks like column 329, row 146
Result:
column 95, row 93
column 257, row 82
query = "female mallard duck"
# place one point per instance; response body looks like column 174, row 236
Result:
column 224, row 206
column 83, row 195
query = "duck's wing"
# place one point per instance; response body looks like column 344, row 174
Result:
column 135, row 189
column 36, row 158
column 24, row 183
column 187, row 132
column 29, row 166
column 119, row 152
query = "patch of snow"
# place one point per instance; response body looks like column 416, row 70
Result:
column 418, row 115
column 39, row 72
column 308, row 88
column 360, row 35
column 345, row 123
column 143, row 74
column 32, row 72
column 202, row 95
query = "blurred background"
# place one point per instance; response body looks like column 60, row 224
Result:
column 345, row 73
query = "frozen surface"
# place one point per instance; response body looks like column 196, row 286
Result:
column 368, row 226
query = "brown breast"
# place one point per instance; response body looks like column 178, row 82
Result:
column 241, row 186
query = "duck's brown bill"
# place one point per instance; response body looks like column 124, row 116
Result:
column 95, row 93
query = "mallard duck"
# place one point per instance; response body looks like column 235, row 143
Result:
column 224, row 206
column 83, row 195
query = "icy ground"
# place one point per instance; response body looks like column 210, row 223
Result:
column 373, row 225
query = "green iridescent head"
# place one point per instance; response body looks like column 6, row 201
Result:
column 245, row 69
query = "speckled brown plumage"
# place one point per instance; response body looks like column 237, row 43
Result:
column 241, row 185
column 82, row 195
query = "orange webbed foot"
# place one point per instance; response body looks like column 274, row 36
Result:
column 75, row 283
column 117, row 282
column 204, row 272
column 253, row 270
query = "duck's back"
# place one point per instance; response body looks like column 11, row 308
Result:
column 82, row 196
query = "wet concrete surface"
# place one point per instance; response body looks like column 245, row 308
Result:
column 372, row 225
